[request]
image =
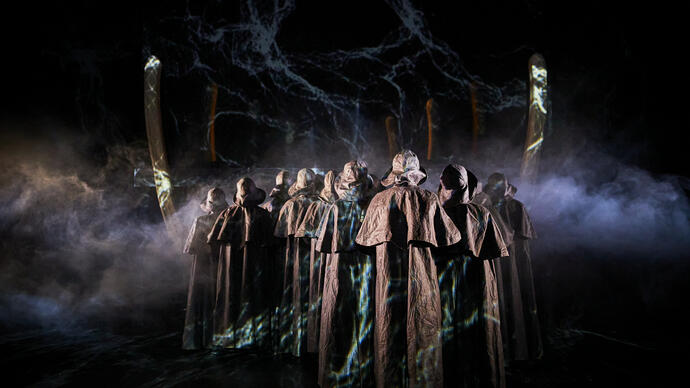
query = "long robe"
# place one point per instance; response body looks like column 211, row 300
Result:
column 278, row 196
column 472, row 345
column 243, row 300
column 317, row 260
column 299, row 254
column 201, row 295
column 346, row 351
column 520, row 325
column 403, row 222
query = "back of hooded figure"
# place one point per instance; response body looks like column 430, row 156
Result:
column 403, row 222
column 201, row 294
column 346, row 338
column 277, row 198
column 243, row 302
column 308, row 228
column 520, row 325
column 299, row 253
column 472, row 344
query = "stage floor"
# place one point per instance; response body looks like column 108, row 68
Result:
column 57, row 358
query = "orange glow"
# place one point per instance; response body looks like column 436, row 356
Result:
column 390, row 131
column 429, row 105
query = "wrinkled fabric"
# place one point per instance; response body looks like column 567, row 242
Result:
column 308, row 228
column 346, row 355
column 346, row 351
column 278, row 195
column 242, row 316
column 298, row 258
column 277, row 198
column 520, row 326
column 201, row 294
column 472, row 343
column 403, row 222
column 305, row 183
column 405, row 169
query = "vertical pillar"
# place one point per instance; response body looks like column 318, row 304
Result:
column 430, row 123
column 537, row 118
column 390, row 131
column 154, row 134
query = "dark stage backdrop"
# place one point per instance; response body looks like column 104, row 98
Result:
column 310, row 84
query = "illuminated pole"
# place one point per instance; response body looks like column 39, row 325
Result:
column 537, row 118
column 430, row 123
column 390, row 131
column 154, row 133
column 212, row 122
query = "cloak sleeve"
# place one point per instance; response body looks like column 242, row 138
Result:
column 194, row 239
column 283, row 225
column 519, row 220
column 214, row 233
column 403, row 215
column 240, row 225
column 324, row 242
column 312, row 219
column 492, row 245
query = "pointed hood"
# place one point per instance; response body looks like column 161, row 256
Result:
column 457, row 185
column 215, row 201
column 328, row 193
column 305, row 183
column 354, row 181
column 405, row 170
column 247, row 194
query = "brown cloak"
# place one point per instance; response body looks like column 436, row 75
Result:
column 299, row 254
column 346, row 352
column 472, row 345
column 278, row 196
column 520, row 325
column 403, row 222
column 308, row 228
column 243, row 300
column 201, row 295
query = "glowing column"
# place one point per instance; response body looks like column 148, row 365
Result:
column 537, row 118
column 154, row 133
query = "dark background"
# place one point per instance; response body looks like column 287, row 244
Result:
column 72, row 84
column 617, row 67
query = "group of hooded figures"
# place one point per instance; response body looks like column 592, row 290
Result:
column 388, row 284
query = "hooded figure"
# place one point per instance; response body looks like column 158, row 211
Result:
column 472, row 346
column 299, row 254
column 346, row 352
column 243, row 299
column 308, row 228
column 520, row 324
column 201, row 296
column 279, row 195
column 480, row 197
column 403, row 222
